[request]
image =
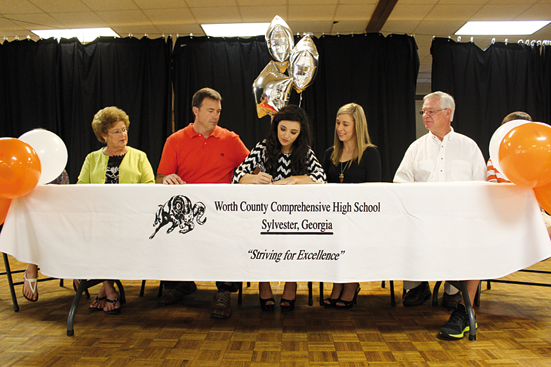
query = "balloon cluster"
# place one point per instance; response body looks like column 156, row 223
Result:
column 521, row 150
column 37, row 157
column 272, row 87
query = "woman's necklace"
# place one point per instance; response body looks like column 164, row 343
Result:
column 343, row 168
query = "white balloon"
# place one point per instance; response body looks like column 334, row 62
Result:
column 497, row 138
column 51, row 151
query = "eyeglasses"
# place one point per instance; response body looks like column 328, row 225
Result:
column 430, row 113
column 118, row 132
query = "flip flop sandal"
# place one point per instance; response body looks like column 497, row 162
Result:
column 114, row 311
column 32, row 284
column 94, row 308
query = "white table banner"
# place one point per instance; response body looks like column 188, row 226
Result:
column 331, row 232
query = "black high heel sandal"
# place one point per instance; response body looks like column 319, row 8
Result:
column 330, row 302
column 266, row 307
column 348, row 304
column 291, row 306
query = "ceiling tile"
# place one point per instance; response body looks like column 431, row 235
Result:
column 400, row 27
column 173, row 16
column 262, row 3
column 57, row 6
column 536, row 12
column 8, row 25
column 349, row 27
column 125, row 17
column 18, row 7
column 416, row 2
column 500, row 12
column 318, row 28
column 313, row 2
column 358, row 2
column 305, row 13
column 161, row 4
column 354, row 12
column 262, row 13
column 137, row 32
column 452, row 12
column 182, row 29
column 36, row 21
column 86, row 19
column 410, row 12
column 228, row 14
column 423, row 41
column 211, row 3
column 438, row 28
column 462, row 2
column 109, row 5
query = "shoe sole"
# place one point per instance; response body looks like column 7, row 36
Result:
column 218, row 316
column 467, row 329
column 427, row 297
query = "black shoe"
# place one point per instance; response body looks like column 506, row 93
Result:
column 450, row 301
column 329, row 302
column 457, row 325
column 348, row 304
column 418, row 295
column 266, row 307
column 291, row 302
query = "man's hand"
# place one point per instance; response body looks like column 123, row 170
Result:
column 172, row 179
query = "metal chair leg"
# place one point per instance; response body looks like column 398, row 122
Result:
column 10, row 282
column 435, row 293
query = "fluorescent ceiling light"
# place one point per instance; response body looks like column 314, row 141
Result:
column 506, row 28
column 235, row 29
column 83, row 34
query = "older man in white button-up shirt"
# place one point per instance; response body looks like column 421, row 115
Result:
column 439, row 156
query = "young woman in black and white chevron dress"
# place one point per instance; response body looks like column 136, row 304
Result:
column 283, row 158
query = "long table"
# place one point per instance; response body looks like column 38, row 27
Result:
column 323, row 232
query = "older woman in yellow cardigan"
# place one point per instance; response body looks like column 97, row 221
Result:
column 115, row 163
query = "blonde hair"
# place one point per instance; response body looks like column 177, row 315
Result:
column 104, row 119
column 363, row 140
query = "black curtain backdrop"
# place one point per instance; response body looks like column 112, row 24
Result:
column 489, row 84
column 377, row 72
column 60, row 86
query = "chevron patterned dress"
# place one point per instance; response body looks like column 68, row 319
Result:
column 257, row 159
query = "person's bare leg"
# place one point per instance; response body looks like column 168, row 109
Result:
column 289, row 293
column 265, row 292
column 31, row 273
column 111, row 294
column 472, row 288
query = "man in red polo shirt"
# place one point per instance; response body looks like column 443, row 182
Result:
column 202, row 152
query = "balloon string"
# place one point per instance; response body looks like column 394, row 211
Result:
column 300, row 101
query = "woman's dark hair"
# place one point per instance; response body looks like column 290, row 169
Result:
column 299, row 149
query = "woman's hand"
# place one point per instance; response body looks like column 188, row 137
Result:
column 295, row 180
column 287, row 181
column 262, row 178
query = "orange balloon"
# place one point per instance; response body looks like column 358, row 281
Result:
column 4, row 206
column 19, row 168
column 543, row 194
column 525, row 155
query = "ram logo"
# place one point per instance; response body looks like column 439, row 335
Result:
column 178, row 212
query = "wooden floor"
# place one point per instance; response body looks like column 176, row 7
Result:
column 514, row 330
